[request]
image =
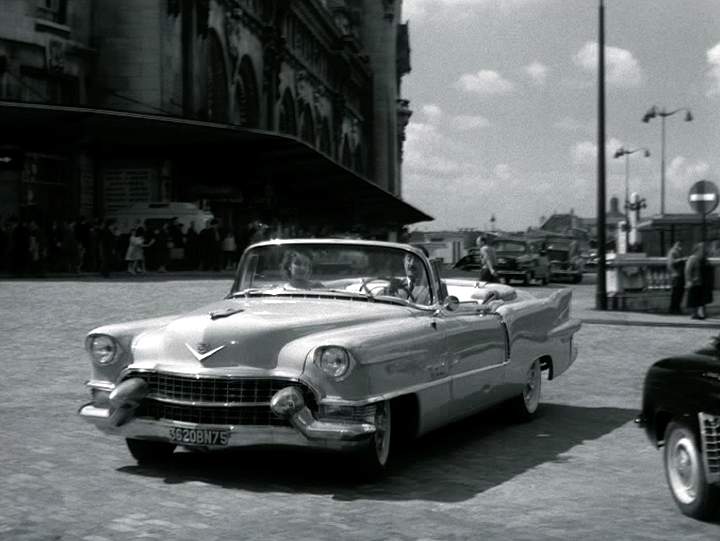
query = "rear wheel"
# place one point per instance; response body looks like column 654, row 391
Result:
column 685, row 472
column 526, row 404
column 149, row 451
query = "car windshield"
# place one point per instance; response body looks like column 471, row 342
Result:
column 376, row 271
column 510, row 247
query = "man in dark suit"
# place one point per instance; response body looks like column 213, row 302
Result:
column 414, row 287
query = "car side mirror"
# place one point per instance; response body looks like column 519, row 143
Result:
column 451, row 303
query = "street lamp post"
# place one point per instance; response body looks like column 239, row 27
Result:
column 653, row 112
column 619, row 153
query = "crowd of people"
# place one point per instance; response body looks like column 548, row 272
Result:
column 28, row 248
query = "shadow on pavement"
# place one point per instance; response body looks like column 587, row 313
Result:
column 450, row 465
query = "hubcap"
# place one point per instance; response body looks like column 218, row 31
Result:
column 531, row 393
column 683, row 467
column 382, row 433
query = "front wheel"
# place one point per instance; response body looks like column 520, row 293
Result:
column 377, row 453
column 150, row 452
column 526, row 404
column 685, row 472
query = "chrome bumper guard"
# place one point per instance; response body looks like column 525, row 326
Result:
column 287, row 403
column 710, row 435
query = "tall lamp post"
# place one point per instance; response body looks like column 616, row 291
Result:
column 619, row 153
column 653, row 112
column 601, row 286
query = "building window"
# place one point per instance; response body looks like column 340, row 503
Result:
column 287, row 123
column 52, row 10
column 307, row 126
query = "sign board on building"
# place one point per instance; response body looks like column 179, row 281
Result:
column 703, row 197
column 123, row 187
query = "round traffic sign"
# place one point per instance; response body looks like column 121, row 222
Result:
column 703, row 196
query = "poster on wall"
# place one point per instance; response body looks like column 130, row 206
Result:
column 123, row 187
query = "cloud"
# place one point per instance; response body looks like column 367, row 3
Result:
column 469, row 122
column 503, row 171
column 570, row 124
column 432, row 112
column 713, row 58
column 428, row 152
column 537, row 72
column 683, row 174
column 584, row 153
column 485, row 83
column 621, row 67
column 418, row 9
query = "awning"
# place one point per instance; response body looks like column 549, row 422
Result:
column 299, row 173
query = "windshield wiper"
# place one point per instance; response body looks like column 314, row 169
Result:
column 250, row 291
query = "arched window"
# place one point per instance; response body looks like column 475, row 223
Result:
column 359, row 159
column 217, row 83
column 286, row 122
column 307, row 126
column 325, row 137
column 346, row 158
column 247, row 107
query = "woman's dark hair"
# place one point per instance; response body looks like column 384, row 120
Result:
column 289, row 257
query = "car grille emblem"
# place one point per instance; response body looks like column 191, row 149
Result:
column 202, row 351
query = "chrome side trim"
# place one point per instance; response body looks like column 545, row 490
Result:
column 710, row 435
column 337, row 401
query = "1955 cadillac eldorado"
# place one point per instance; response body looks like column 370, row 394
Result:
column 340, row 344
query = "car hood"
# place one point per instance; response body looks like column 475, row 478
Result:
column 251, row 332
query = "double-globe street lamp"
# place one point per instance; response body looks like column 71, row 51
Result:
column 653, row 112
column 619, row 153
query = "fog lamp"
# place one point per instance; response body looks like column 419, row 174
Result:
column 287, row 402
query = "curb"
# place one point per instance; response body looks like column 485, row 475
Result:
column 676, row 325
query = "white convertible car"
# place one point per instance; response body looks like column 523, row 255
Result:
column 341, row 344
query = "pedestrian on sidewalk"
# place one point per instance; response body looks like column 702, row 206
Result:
column 696, row 294
column 676, row 268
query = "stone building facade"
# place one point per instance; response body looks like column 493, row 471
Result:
column 326, row 73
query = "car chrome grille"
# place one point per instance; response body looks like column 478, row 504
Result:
column 213, row 400
column 710, row 433
column 210, row 415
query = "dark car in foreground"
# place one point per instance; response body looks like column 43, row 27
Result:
column 681, row 414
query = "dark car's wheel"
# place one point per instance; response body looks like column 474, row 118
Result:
column 685, row 472
column 524, row 406
column 378, row 451
column 150, row 452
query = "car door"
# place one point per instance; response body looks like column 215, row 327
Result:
column 476, row 348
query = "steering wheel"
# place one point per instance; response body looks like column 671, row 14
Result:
column 386, row 285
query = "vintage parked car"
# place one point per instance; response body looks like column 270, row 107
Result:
column 366, row 350
column 566, row 263
column 517, row 259
column 681, row 412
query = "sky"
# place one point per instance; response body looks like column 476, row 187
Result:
column 504, row 97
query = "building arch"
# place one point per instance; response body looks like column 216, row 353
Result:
column 307, row 125
column 287, row 122
column 247, row 103
column 217, row 81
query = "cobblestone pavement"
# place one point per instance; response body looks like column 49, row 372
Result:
column 582, row 470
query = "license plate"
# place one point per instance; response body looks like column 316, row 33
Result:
column 199, row 436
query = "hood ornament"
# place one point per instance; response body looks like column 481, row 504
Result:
column 202, row 350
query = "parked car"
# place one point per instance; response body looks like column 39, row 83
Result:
column 517, row 259
column 681, row 413
column 344, row 357
column 566, row 262
column 522, row 259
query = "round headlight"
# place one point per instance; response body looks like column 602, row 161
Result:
column 333, row 360
column 102, row 349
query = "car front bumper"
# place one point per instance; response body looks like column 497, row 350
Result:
column 115, row 416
